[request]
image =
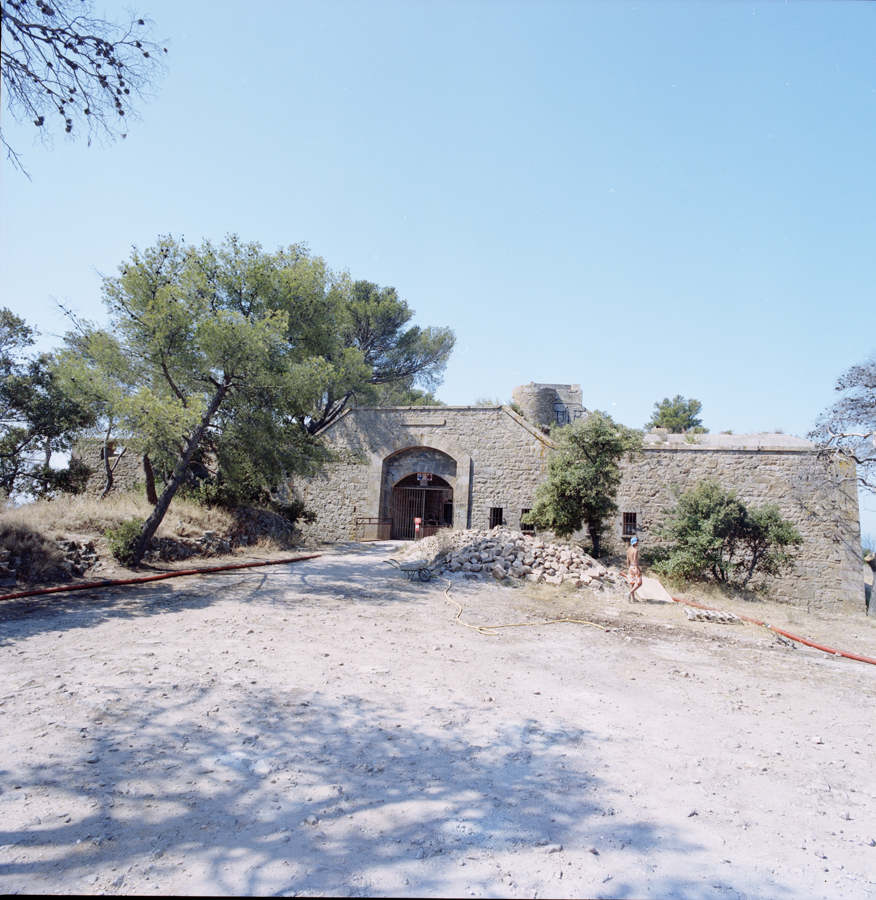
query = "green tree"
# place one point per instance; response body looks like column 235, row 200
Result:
column 678, row 415
column 400, row 395
column 712, row 532
column 197, row 349
column 221, row 363
column 377, row 358
column 583, row 476
column 37, row 417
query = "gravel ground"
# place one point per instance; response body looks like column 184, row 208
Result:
column 328, row 728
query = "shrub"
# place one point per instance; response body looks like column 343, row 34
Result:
column 122, row 540
column 712, row 532
column 293, row 511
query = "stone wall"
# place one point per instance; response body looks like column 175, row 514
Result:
column 491, row 457
column 820, row 499
column 128, row 471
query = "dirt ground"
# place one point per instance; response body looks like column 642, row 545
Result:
column 327, row 728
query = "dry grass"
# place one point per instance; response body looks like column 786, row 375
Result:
column 37, row 558
column 87, row 517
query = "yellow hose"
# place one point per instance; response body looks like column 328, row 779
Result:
column 492, row 630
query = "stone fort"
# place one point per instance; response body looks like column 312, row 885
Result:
column 478, row 467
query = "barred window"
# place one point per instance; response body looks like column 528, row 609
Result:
column 630, row 527
column 496, row 516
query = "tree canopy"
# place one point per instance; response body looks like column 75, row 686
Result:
column 677, row 415
column 227, row 360
column 62, row 64
column 849, row 426
column 37, row 417
column 713, row 532
column 583, row 477
column 377, row 357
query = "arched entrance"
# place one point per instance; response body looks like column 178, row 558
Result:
column 423, row 496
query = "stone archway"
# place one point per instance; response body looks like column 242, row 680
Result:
column 418, row 482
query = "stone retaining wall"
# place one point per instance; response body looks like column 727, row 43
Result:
column 820, row 499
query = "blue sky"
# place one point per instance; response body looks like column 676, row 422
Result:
column 646, row 198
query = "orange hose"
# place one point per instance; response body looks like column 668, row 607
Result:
column 142, row 580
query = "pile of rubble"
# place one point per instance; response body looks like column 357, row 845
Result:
column 501, row 553
column 79, row 557
column 172, row 549
column 250, row 524
column 73, row 559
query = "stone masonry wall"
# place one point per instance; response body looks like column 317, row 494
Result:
column 128, row 470
column 493, row 458
column 499, row 460
column 820, row 502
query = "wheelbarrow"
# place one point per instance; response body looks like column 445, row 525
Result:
column 416, row 568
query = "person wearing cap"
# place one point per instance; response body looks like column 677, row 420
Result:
column 634, row 576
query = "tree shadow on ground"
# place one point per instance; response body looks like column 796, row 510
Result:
column 249, row 791
column 360, row 572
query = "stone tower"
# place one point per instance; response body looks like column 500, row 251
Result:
column 550, row 404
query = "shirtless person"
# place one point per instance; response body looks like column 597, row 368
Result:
column 635, row 573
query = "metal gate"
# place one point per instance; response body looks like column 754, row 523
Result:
column 426, row 504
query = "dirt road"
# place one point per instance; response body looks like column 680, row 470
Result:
column 328, row 728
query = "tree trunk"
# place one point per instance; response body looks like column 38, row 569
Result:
column 594, row 539
column 179, row 473
column 108, row 472
column 148, row 471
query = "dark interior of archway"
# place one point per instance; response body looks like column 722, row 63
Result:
column 433, row 505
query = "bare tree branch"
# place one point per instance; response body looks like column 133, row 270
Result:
column 848, row 428
column 61, row 64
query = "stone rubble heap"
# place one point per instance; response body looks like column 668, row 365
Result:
column 8, row 568
column 512, row 554
column 173, row 549
column 79, row 556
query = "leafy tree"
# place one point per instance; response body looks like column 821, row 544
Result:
column 713, row 532
column 376, row 356
column 583, row 476
column 222, row 362
column 678, row 415
column 37, row 418
column 849, row 426
column 61, row 63
column 400, row 395
column 196, row 341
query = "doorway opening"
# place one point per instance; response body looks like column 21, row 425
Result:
column 432, row 505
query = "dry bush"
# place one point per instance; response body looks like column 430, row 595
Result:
column 34, row 557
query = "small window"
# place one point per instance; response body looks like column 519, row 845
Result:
column 630, row 527
column 496, row 516
column 526, row 529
